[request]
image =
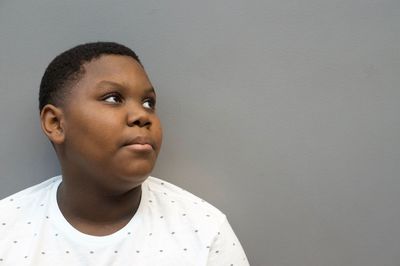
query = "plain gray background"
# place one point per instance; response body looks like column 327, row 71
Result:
column 283, row 114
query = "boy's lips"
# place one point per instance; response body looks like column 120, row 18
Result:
column 140, row 143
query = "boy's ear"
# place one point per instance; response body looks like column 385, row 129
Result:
column 52, row 122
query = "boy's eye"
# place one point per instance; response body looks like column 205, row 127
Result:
column 113, row 98
column 149, row 103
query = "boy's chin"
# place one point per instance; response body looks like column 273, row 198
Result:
column 122, row 177
column 123, row 184
column 135, row 176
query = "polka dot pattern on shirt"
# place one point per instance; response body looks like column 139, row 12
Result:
column 166, row 239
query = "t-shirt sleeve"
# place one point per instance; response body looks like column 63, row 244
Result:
column 226, row 248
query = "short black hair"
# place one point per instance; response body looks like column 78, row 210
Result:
column 67, row 68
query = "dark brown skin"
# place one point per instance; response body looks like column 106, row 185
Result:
column 106, row 110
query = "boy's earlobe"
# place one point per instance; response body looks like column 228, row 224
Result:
column 52, row 122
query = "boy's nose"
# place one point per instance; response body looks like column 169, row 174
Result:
column 139, row 118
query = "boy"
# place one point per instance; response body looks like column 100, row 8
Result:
column 97, row 107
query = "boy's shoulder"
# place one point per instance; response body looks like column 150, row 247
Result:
column 32, row 191
column 25, row 208
column 28, row 195
column 171, row 196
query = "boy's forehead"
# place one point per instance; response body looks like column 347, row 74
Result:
column 112, row 64
column 115, row 68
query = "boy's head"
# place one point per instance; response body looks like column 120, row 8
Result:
column 67, row 68
column 97, row 107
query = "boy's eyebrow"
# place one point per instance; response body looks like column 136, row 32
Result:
column 107, row 82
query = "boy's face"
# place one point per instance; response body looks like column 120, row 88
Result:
column 112, row 132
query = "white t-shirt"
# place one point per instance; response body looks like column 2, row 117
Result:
column 170, row 227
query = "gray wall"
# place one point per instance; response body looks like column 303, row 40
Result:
column 284, row 114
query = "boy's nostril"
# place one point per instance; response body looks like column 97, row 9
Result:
column 140, row 123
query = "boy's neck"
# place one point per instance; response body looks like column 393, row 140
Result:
column 94, row 212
